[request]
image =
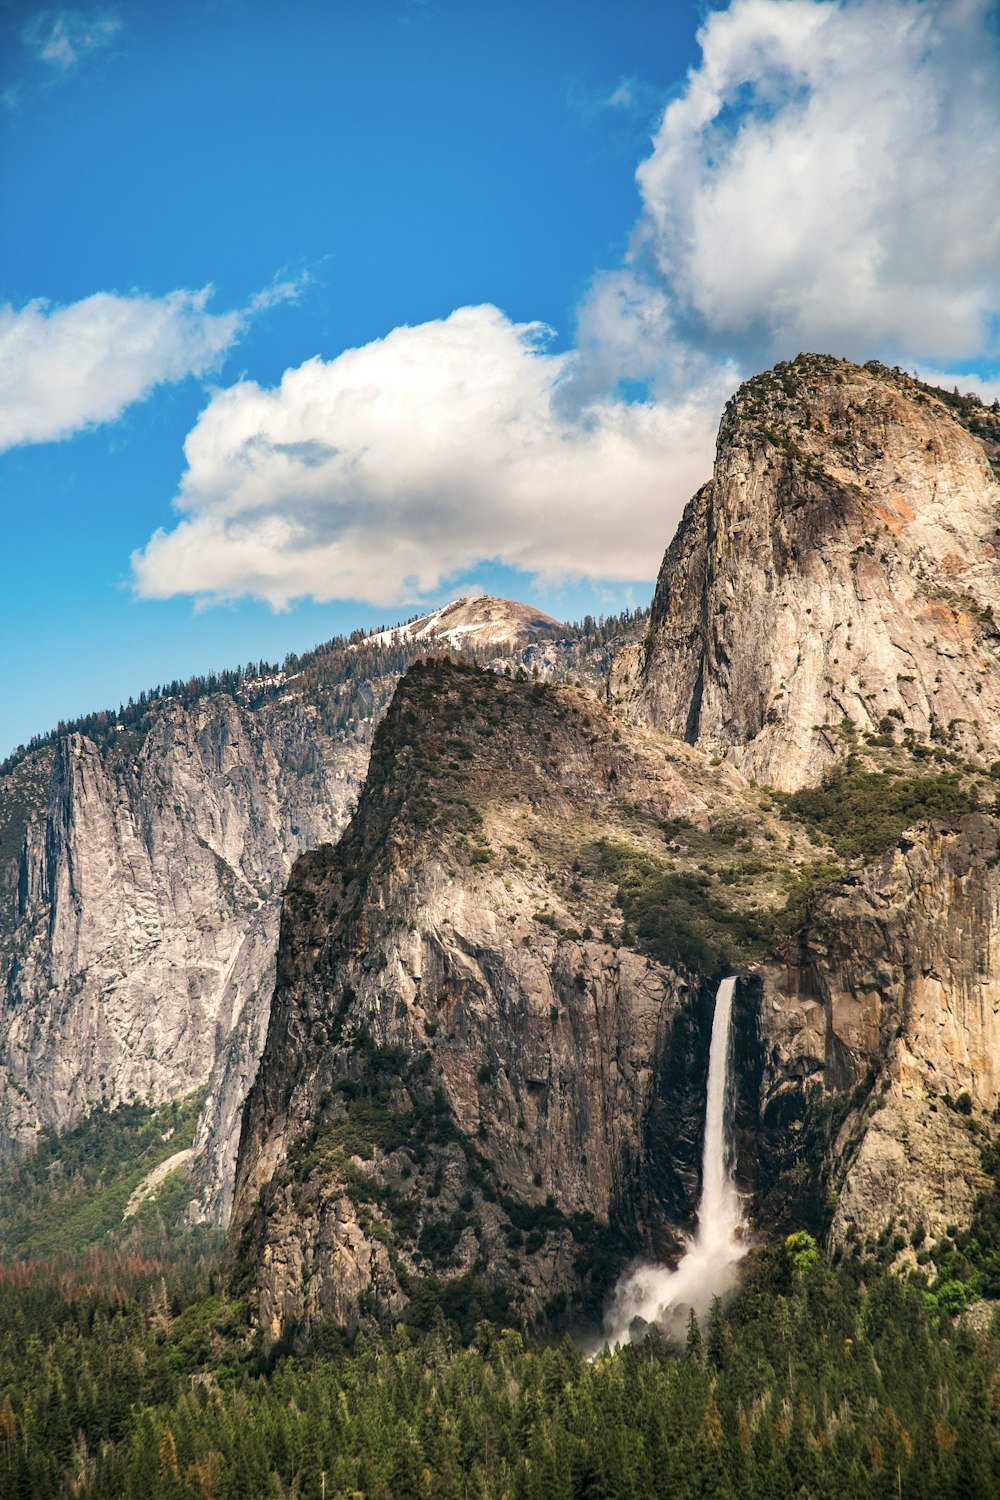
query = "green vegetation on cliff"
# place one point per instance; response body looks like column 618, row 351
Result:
column 679, row 916
column 862, row 813
column 71, row 1192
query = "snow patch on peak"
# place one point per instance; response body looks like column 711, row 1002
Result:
column 483, row 620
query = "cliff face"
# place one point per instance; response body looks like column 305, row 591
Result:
column 484, row 1075
column 143, row 927
column 473, row 1084
column 839, row 567
column 484, row 1087
column 889, row 1003
column 142, row 869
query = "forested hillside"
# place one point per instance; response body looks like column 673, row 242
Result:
column 132, row 1377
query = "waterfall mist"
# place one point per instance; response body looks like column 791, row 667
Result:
column 708, row 1266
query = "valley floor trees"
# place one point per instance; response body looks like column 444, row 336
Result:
column 129, row 1377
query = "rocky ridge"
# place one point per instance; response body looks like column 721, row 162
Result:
column 459, row 1100
column 485, row 1071
column 475, row 1085
column 142, row 864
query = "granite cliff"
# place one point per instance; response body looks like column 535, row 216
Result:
column 839, row 569
column 484, row 1075
column 477, row 1084
column 143, row 858
column 883, row 1022
column 139, row 937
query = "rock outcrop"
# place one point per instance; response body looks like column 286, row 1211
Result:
column 884, row 1019
column 145, row 920
column 481, row 1086
column 142, row 866
column 838, row 572
column 469, row 1096
column 474, row 1085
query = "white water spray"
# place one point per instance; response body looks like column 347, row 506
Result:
column 708, row 1267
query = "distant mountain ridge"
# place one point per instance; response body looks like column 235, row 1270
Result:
column 481, row 621
column 144, row 854
column 476, row 622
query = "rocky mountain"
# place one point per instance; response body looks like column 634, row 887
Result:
column 468, row 1062
column 484, row 1077
column 838, row 571
column 482, row 621
column 886, row 1012
column 143, row 858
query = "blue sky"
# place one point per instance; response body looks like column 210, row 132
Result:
column 207, row 204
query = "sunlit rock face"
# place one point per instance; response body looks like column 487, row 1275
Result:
column 839, row 569
column 470, row 1082
column 889, row 1005
column 142, row 870
column 838, row 578
column 140, row 938
column 467, row 1050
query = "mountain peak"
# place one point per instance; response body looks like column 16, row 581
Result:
column 480, row 620
column 837, row 576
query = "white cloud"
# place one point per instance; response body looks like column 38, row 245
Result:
column 827, row 179
column 64, row 38
column 618, row 109
column 824, row 180
column 622, row 96
column 64, row 369
column 626, row 332
column 278, row 292
column 67, row 368
column 381, row 473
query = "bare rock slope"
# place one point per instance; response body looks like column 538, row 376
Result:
column 143, row 860
column 839, row 570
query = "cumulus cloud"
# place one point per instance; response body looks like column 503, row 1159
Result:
column 63, row 369
column 826, row 179
column 823, row 180
column 986, row 387
column 381, row 473
column 64, row 38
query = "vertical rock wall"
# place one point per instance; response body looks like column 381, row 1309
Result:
column 890, row 1004
column 841, row 567
column 140, row 939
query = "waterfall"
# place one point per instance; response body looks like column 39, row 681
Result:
column 708, row 1266
column 719, row 1215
